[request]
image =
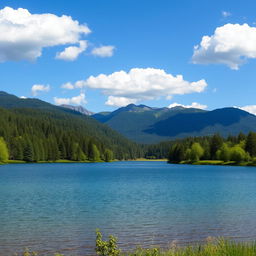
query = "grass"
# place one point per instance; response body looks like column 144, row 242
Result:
column 213, row 247
column 220, row 247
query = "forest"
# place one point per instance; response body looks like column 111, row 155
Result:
column 34, row 135
column 240, row 148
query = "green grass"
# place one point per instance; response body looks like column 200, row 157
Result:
column 213, row 247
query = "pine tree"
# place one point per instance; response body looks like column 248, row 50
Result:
column 250, row 145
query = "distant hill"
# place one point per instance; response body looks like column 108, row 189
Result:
column 79, row 109
column 31, row 117
column 145, row 124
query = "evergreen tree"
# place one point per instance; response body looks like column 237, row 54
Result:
column 28, row 154
column 250, row 145
column 216, row 143
column 108, row 155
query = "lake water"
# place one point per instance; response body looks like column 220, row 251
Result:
column 57, row 207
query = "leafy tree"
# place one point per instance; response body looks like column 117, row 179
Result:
column 196, row 152
column 4, row 154
column 223, row 153
column 238, row 154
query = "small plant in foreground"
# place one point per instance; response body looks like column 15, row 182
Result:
column 106, row 248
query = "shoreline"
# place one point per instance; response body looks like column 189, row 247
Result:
column 217, row 162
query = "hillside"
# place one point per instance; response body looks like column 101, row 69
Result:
column 144, row 124
column 43, row 125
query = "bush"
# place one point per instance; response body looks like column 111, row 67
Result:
column 106, row 248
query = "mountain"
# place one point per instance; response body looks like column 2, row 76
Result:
column 52, row 128
column 145, row 124
column 79, row 109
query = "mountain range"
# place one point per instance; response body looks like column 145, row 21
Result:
column 144, row 124
column 147, row 125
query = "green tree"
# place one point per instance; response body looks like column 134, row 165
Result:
column 250, row 145
column 238, row 154
column 216, row 143
column 177, row 153
column 223, row 153
column 28, row 153
column 4, row 154
column 108, row 155
column 196, row 152
column 94, row 153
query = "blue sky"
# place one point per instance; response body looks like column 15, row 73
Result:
column 148, row 39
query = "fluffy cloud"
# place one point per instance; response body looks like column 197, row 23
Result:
column 139, row 84
column 36, row 88
column 142, row 84
column 249, row 108
column 193, row 105
column 77, row 100
column 230, row 44
column 72, row 52
column 104, row 51
column 68, row 86
column 25, row 34
column 119, row 101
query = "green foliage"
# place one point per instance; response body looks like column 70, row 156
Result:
column 233, row 148
column 36, row 135
column 238, row 154
column 177, row 153
column 250, row 144
column 106, row 248
column 196, row 152
column 4, row 154
column 108, row 155
column 215, row 144
column 223, row 153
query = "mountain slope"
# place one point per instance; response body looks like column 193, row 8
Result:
column 79, row 109
column 27, row 117
column 151, row 125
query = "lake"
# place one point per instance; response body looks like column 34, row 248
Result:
column 57, row 207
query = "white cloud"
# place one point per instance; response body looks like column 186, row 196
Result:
column 36, row 88
column 249, row 108
column 72, row 52
column 77, row 100
column 140, row 84
column 193, row 105
column 23, row 97
column 25, row 34
column 143, row 84
column 230, row 44
column 68, row 86
column 119, row 101
column 104, row 51
column 225, row 14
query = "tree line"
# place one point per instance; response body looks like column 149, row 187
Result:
column 35, row 135
column 240, row 148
